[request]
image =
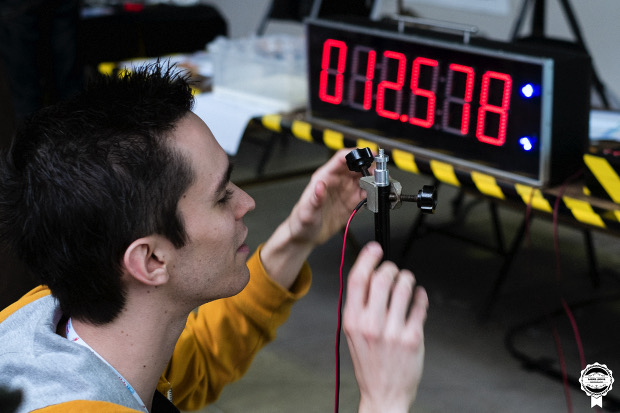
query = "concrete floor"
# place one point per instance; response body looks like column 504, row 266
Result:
column 468, row 366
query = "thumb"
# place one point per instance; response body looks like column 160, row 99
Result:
column 320, row 192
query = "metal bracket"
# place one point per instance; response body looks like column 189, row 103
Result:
column 367, row 183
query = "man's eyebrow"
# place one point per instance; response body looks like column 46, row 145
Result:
column 225, row 179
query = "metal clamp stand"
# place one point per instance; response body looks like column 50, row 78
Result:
column 384, row 193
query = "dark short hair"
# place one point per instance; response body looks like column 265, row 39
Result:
column 88, row 176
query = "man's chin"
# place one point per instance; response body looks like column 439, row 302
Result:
column 243, row 280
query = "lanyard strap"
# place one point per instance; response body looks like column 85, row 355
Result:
column 73, row 336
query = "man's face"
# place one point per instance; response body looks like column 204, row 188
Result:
column 212, row 264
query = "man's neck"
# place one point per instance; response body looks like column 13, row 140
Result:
column 137, row 344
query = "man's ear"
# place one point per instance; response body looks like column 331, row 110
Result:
column 145, row 260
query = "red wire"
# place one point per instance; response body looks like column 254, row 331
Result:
column 558, row 346
column 569, row 314
column 344, row 241
column 573, row 322
column 556, row 237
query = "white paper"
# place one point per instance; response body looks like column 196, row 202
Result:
column 604, row 125
column 227, row 117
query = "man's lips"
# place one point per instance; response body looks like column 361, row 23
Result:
column 244, row 247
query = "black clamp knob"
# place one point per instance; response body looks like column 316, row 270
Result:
column 359, row 160
column 427, row 199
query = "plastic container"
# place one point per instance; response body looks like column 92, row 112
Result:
column 269, row 70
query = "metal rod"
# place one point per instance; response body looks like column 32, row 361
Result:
column 538, row 20
column 382, row 216
column 382, row 221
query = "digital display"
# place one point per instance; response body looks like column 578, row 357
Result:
column 482, row 108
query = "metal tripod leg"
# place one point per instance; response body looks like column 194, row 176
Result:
column 499, row 236
column 503, row 272
column 592, row 264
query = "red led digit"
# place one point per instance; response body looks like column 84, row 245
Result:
column 386, row 84
column 464, row 101
column 337, row 72
column 416, row 91
column 366, row 78
column 502, row 110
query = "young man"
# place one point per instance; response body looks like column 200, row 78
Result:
column 120, row 200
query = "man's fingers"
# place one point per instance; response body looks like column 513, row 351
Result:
column 335, row 164
column 320, row 191
column 381, row 286
column 359, row 276
column 401, row 299
column 420, row 306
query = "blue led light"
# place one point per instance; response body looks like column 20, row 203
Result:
column 529, row 90
column 526, row 143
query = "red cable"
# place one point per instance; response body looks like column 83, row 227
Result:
column 344, row 241
column 556, row 237
column 569, row 314
column 573, row 322
column 558, row 346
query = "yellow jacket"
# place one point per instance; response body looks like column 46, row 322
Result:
column 216, row 347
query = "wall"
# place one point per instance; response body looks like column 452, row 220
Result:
column 244, row 17
column 598, row 20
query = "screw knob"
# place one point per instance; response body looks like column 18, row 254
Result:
column 427, row 199
column 359, row 160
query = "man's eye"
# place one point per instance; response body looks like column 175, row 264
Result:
column 227, row 195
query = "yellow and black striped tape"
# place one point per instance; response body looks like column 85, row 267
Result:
column 580, row 209
column 606, row 181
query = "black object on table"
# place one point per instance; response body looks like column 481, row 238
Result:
column 155, row 31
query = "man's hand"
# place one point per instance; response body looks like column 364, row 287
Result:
column 383, row 320
column 323, row 208
column 326, row 203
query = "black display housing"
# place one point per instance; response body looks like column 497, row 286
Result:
column 556, row 117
